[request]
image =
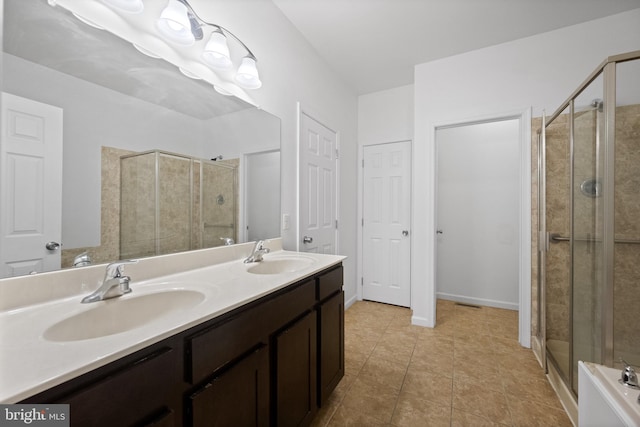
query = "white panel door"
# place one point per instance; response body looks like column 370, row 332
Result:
column 30, row 186
column 386, row 246
column 318, row 193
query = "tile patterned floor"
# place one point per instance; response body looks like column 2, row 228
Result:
column 468, row 371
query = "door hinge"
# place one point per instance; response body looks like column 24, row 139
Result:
column 362, row 222
column 336, row 224
column 337, row 153
column 362, row 162
column 362, row 281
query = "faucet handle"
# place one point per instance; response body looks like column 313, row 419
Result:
column 115, row 269
column 628, row 376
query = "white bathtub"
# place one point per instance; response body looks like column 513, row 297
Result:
column 603, row 401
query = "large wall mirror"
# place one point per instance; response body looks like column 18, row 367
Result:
column 153, row 161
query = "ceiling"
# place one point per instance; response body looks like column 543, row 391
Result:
column 374, row 44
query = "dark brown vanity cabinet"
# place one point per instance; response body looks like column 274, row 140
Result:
column 271, row 362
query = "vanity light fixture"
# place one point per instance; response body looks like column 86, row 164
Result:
column 179, row 24
column 129, row 6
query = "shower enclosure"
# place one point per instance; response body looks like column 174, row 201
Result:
column 173, row 203
column 589, row 228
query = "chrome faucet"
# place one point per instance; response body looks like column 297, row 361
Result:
column 258, row 251
column 628, row 376
column 114, row 283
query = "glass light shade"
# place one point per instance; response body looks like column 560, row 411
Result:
column 189, row 74
column 216, row 51
column 247, row 75
column 86, row 21
column 222, row 91
column 129, row 6
column 146, row 51
column 174, row 23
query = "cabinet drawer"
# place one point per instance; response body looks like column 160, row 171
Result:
column 329, row 283
column 213, row 348
column 288, row 306
column 108, row 402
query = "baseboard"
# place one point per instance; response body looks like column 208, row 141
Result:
column 421, row 321
column 477, row 301
column 348, row 303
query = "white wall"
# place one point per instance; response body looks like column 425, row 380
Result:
column 293, row 73
column 539, row 72
column 261, row 173
column 386, row 116
column 230, row 135
column 477, row 210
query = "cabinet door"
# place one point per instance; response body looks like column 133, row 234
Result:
column 331, row 343
column 236, row 397
column 295, row 360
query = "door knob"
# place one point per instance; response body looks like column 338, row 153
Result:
column 405, row 232
column 52, row 246
column 307, row 239
column 439, row 232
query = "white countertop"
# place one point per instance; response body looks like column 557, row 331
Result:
column 29, row 363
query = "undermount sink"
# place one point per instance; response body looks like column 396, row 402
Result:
column 280, row 265
column 117, row 315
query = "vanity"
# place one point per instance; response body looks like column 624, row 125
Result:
column 227, row 343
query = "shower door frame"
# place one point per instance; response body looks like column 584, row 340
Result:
column 543, row 244
column 608, row 70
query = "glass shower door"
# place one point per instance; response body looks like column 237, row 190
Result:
column 588, row 182
column 626, row 298
column 557, row 277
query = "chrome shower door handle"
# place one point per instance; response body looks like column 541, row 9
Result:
column 307, row 239
column 52, row 246
column 405, row 233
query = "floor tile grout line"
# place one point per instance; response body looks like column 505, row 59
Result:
column 404, row 378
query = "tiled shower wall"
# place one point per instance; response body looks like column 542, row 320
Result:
column 626, row 304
